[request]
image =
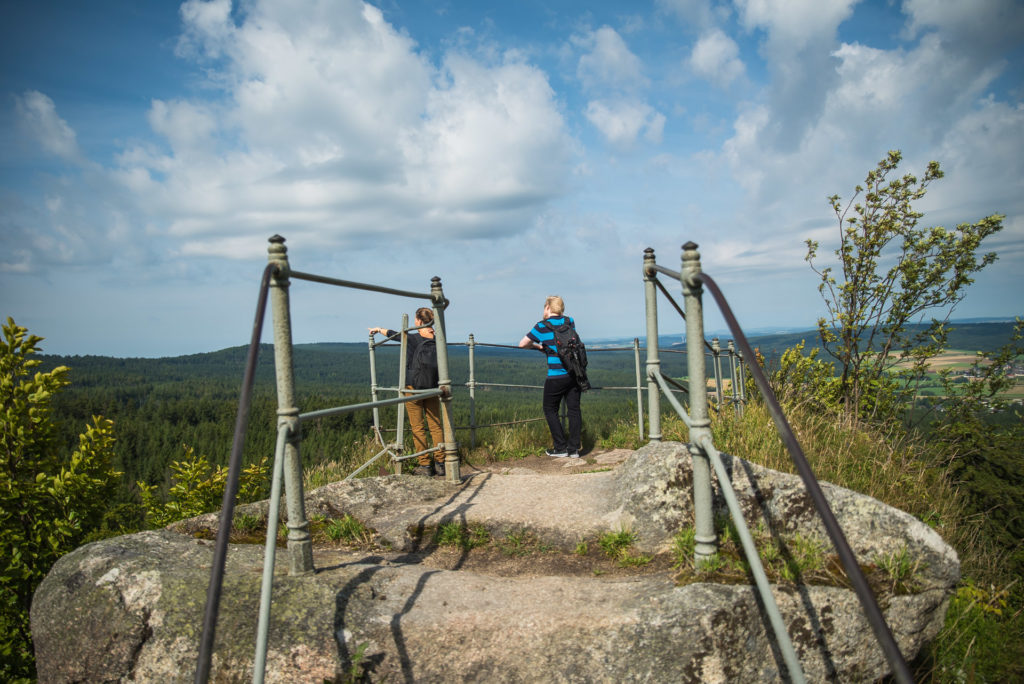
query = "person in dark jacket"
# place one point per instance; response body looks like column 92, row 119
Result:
column 559, row 384
column 421, row 373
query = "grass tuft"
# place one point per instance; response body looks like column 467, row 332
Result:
column 464, row 537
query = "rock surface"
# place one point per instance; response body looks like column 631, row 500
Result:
column 136, row 602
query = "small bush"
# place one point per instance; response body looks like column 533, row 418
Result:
column 617, row 545
column 980, row 641
column 198, row 487
column 614, row 544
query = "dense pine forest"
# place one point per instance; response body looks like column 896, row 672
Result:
column 956, row 462
column 160, row 406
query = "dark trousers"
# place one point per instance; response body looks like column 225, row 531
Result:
column 555, row 389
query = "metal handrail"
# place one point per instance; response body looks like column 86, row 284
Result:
column 860, row 584
column 276, row 274
column 472, row 384
column 270, row 555
column 341, row 410
column 360, row 286
column 231, row 487
column 692, row 279
column 749, row 547
column 672, row 301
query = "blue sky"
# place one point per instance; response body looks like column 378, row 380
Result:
column 516, row 150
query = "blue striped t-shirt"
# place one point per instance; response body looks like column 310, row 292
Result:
column 541, row 334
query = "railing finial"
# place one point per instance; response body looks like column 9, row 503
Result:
column 277, row 253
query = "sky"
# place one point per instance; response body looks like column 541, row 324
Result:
column 148, row 150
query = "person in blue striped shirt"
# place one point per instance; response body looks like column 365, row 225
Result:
column 559, row 384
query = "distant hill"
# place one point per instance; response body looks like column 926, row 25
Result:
column 346, row 362
column 969, row 335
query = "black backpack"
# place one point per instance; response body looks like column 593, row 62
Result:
column 423, row 365
column 571, row 352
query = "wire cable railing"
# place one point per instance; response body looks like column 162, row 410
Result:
column 734, row 360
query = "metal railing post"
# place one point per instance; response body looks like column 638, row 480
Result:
column 700, row 428
column 733, row 379
column 472, row 391
column 716, row 358
column 444, row 383
column 400, row 428
column 373, row 389
column 300, row 544
column 653, row 363
column 742, row 381
column 639, row 390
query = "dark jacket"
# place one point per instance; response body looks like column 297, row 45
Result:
column 421, row 360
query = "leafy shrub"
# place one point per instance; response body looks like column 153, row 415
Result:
column 197, row 488
column 49, row 502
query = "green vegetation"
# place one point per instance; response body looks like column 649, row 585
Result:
column 875, row 396
column 348, row 529
column 870, row 311
column 51, row 498
column 618, row 547
column 454, row 533
column 197, row 488
column 901, row 569
column 786, row 558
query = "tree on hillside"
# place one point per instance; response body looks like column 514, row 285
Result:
column 890, row 275
column 49, row 501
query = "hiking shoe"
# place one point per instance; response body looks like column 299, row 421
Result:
column 439, row 468
column 427, row 470
column 555, row 454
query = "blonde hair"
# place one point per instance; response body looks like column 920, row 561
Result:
column 555, row 305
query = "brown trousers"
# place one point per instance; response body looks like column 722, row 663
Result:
column 429, row 407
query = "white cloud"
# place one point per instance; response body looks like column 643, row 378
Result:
column 185, row 125
column 609, row 64
column 984, row 26
column 614, row 76
column 931, row 100
column 492, row 140
column 715, row 57
column 37, row 115
column 878, row 89
column 621, row 122
column 207, row 25
column 793, row 24
column 332, row 126
column 985, row 149
column 697, row 13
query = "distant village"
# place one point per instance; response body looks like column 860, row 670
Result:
column 1014, row 371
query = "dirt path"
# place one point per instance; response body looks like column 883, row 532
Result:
column 596, row 460
column 521, row 552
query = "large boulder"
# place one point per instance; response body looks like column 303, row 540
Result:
column 130, row 608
